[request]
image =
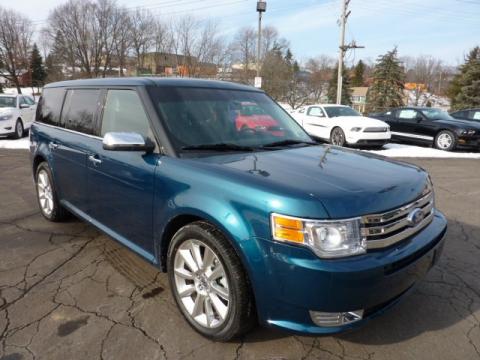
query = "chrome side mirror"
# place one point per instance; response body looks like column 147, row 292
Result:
column 123, row 141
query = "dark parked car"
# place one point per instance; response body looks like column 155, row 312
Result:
column 430, row 126
column 249, row 225
column 469, row 114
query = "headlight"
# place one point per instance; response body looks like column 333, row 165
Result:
column 328, row 239
column 6, row 116
column 356, row 129
column 467, row 132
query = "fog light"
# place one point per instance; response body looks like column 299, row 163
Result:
column 328, row 319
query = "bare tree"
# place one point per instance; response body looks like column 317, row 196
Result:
column 142, row 30
column 198, row 46
column 123, row 40
column 243, row 46
column 425, row 71
column 15, row 41
column 320, row 69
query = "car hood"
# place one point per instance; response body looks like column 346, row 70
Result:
column 360, row 121
column 460, row 123
column 6, row 110
column 348, row 183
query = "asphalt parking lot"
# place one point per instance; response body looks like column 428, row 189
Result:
column 69, row 292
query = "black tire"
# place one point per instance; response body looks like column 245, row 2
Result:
column 445, row 140
column 241, row 316
column 58, row 213
column 19, row 130
column 337, row 137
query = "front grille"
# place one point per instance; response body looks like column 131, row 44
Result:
column 375, row 129
column 382, row 230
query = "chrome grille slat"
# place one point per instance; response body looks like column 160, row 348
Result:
column 392, row 215
column 382, row 230
column 375, row 129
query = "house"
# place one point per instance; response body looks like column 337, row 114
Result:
column 359, row 98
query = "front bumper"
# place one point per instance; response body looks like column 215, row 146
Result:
column 300, row 282
column 358, row 138
column 469, row 141
column 7, row 127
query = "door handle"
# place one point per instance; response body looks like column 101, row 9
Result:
column 94, row 160
column 53, row 146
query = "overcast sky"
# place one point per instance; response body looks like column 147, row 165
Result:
column 443, row 28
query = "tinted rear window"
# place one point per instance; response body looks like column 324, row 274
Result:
column 79, row 110
column 50, row 106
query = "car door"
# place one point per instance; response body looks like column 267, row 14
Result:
column 70, row 148
column 28, row 112
column 121, row 183
column 408, row 125
column 316, row 123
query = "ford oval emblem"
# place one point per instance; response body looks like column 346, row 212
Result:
column 415, row 217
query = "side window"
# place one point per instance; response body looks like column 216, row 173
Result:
column 475, row 115
column 21, row 101
column 79, row 110
column 50, row 106
column 29, row 100
column 408, row 115
column 315, row 111
column 123, row 112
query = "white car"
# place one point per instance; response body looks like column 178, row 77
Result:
column 17, row 113
column 342, row 125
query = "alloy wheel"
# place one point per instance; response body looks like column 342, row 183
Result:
column 19, row 129
column 45, row 193
column 444, row 141
column 338, row 138
column 201, row 283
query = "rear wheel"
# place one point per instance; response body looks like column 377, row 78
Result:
column 445, row 140
column 46, row 195
column 209, row 283
column 337, row 137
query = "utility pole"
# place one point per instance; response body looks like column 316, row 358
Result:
column 343, row 48
column 343, row 21
column 261, row 8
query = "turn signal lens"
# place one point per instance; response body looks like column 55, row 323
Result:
column 287, row 229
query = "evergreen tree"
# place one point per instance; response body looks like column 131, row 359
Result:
column 358, row 74
column 346, row 88
column 464, row 91
column 37, row 70
column 388, row 82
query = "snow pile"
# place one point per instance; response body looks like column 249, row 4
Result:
column 23, row 143
column 410, row 151
column 435, row 100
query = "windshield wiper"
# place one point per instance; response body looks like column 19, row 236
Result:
column 288, row 142
column 218, row 147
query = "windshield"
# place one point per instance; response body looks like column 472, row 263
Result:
column 7, row 102
column 437, row 114
column 196, row 117
column 334, row 111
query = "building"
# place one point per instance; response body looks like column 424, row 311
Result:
column 359, row 98
column 165, row 64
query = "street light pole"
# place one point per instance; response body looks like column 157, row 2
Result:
column 261, row 8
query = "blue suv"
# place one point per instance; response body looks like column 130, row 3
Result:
column 252, row 223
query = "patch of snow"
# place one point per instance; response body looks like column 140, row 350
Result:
column 23, row 143
column 411, row 151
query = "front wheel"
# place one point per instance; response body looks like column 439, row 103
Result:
column 209, row 283
column 445, row 140
column 337, row 137
column 19, row 130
